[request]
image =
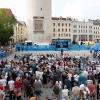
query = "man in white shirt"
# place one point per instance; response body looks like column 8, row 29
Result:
column 11, row 84
column 65, row 93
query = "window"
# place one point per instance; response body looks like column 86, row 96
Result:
column 79, row 26
column 21, row 36
column 66, row 24
column 53, row 24
column 79, row 31
column 41, row 9
column 86, row 26
column 53, row 35
column 75, row 26
column 66, row 29
column 58, row 30
column 58, row 24
column 75, row 31
column 69, row 24
column 90, row 31
column 62, row 24
column 59, row 35
column 69, row 30
column 69, row 35
column 62, row 29
column 54, row 30
column 66, row 35
column 86, row 31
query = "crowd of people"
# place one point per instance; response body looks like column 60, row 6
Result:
column 4, row 51
column 70, row 78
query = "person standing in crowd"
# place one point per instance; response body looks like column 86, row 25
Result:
column 56, row 91
column 75, row 92
column 37, row 88
column 18, row 84
column 92, row 89
column 98, row 90
column 25, row 84
column 44, row 81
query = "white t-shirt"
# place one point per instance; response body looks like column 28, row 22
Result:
column 39, row 74
column 3, row 82
column 64, row 94
column 11, row 84
column 76, row 77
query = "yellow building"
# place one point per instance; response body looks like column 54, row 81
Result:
column 61, row 28
column 20, row 32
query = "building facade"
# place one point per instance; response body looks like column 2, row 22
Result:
column 20, row 32
column 78, row 31
column 61, row 28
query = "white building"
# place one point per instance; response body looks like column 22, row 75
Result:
column 39, row 20
column 82, row 31
column 86, row 31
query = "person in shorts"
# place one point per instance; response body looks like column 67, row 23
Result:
column 37, row 88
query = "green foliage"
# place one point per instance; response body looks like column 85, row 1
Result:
column 6, row 27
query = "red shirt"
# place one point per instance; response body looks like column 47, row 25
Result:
column 91, row 87
column 17, row 84
column 2, row 87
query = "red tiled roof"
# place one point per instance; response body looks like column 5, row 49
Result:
column 7, row 11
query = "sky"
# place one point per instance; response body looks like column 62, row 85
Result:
column 79, row 9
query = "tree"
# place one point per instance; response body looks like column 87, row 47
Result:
column 7, row 20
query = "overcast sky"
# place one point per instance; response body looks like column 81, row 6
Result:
column 80, row 9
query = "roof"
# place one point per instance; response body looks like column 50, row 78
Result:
column 61, row 18
column 21, row 23
column 7, row 11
